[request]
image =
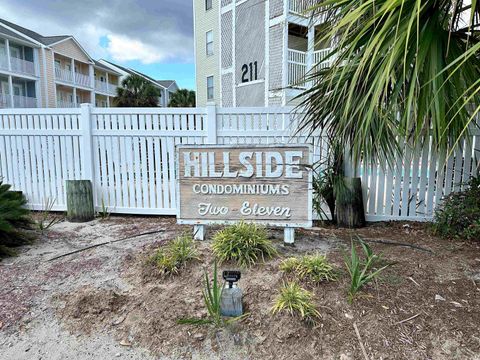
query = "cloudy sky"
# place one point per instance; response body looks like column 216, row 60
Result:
column 152, row 36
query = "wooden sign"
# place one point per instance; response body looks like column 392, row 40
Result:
column 266, row 184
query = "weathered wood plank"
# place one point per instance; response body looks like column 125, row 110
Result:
column 252, row 182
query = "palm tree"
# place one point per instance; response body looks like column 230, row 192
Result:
column 182, row 98
column 400, row 69
column 136, row 92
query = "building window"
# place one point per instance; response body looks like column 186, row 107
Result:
column 210, row 88
column 208, row 4
column 209, row 39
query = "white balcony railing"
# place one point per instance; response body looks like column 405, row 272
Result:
column 3, row 62
column 5, row 101
column 301, row 7
column 105, row 87
column 298, row 66
column 63, row 74
column 82, row 79
column 76, row 78
column 101, row 86
column 18, row 65
column 24, row 101
column 112, row 89
column 22, row 66
column 66, row 104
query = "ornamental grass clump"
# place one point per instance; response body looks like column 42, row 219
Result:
column 15, row 220
column 175, row 255
column 243, row 243
column 312, row 268
column 296, row 301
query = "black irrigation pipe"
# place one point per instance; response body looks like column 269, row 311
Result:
column 106, row 243
column 393, row 243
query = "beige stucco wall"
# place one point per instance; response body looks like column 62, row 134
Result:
column 206, row 20
column 70, row 49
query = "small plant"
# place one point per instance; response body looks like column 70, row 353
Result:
column 244, row 243
column 458, row 216
column 171, row 258
column 45, row 220
column 314, row 268
column 296, row 301
column 104, row 213
column 212, row 295
column 15, row 220
column 361, row 272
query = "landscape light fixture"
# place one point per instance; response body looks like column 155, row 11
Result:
column 231, row 276
column 231, row 299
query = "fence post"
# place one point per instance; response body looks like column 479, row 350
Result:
column 211, row 123
column 87, row 148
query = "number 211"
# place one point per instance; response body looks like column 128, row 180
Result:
column 253, row 67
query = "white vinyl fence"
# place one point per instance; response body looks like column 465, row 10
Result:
column 129, row 155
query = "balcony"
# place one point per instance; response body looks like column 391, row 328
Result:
column 112, row 89
column 22, row 66
column 105, row 87
column 63, row 75
column 24, row 101
column 18, row 65
column 76, row 78
column 18, row 101
column 66, row 104
column 298, row 65
column 3, row 62
column 82, row 79
column 5, row 101
column 301, row 7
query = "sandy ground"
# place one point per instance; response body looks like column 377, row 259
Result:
column 108, row 302
column 29, row 283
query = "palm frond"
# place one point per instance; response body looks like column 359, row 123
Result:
column 400, row 69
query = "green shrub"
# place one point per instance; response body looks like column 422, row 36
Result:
column 244, row 243
column 296, row 301
column 361, row 272
column 175, row 255
column 14, row 220
column 314, row 268
column 458, row 216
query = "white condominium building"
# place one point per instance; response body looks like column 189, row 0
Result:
column 255, row 52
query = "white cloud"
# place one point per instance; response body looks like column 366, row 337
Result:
column 123, row 48
column 150, row 31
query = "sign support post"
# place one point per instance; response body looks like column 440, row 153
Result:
column 199, row 232
column 289, row 235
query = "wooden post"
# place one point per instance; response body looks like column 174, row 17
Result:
column 350, row 211
column 79, row 201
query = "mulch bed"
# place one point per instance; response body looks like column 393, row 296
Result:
column 425, row 306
